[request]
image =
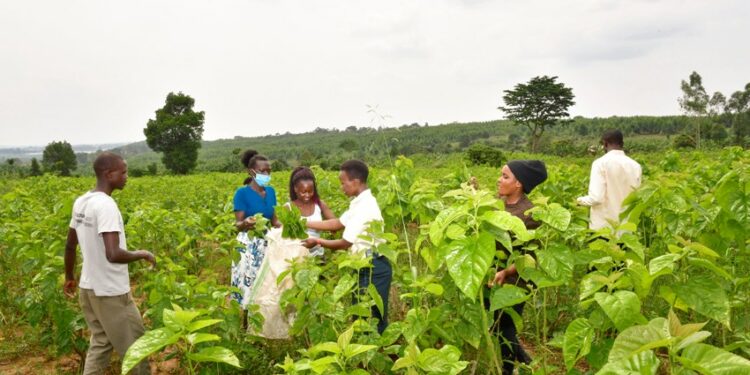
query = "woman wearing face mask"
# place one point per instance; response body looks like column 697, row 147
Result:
column 303, row 193
column 257, row 196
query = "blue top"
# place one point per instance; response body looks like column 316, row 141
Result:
column 250, row 202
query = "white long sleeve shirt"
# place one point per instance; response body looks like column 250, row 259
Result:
column 613, row 177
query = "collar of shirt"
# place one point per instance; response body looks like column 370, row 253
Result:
column 364, row 195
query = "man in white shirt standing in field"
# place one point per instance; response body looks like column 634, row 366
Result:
column 363, row 211
column 613, row 177
column 104, row 287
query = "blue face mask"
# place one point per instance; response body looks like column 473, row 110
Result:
column 262, row 179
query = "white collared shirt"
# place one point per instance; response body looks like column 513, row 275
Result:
column 613, row 177
column 363, row 209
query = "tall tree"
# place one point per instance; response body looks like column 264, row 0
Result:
column 58, row 157
column 738, row 106
column 694, row 102
column 35, row 169
column 538, row 104
column 177, row 132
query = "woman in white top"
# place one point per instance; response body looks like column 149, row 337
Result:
column 303, row 193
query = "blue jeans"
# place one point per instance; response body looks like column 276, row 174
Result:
column 382, row 274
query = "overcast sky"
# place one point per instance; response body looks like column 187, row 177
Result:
column 95, row 71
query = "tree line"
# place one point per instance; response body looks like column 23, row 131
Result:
column 536, row 119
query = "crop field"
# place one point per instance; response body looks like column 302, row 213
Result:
column 669, row 293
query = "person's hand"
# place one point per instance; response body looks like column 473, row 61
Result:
column 147, row 256
column 473, row 182
column 499, row 279
column 69, row 288
column 249, row 222
column 310, row 242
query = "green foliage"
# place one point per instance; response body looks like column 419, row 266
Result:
column 176, row 132
column 539, row 104
column 59, row 158
column 260, row 227
column 292, row 222
column 607, row 298
column 35, row 169
column 481, row 154
column 180, row 331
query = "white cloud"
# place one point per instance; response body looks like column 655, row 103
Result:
column 94, row 72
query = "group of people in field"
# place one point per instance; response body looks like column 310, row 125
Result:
column 104, row 288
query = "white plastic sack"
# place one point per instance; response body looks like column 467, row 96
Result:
column 266, row 292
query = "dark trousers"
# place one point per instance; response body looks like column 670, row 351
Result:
column 510, row 347
column 380, row 275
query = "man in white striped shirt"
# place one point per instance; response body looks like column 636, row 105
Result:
column 613, row 177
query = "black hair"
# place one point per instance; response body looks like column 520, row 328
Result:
column 302, row 174
column 105, row 162
column 355, row 169
column 613, row 137
column 250, row 159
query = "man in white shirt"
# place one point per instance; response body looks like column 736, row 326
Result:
column 362, row 213
column 104, row 293
column 613, row 177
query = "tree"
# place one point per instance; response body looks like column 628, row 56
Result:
column 694, row 102
column 35, row 169
column 738, row 107
column 348, row 144
column 58, row 157
column 538, row 104
column 177, row 132
column 480, row 153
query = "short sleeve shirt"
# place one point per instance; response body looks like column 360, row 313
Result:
column 95, row 213
column 250, row 202
column 363, row 210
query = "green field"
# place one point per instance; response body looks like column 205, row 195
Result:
column 670, row 296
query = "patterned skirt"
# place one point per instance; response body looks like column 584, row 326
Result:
column 244, row 273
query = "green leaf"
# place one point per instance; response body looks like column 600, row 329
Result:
column 200, row 324
column 663, row 263
column 344, row 286
column 637, row 339
column 507, row 296
column 553, row 215
column 435, row 289
column 443, row 361
column 591, row 283
column 705, row 296
column 440, row 225
column 177, row 320
column 197, row 338
column 373, row 293
column 330, row 347
column 307, row 278
column 216, row 354
column 353, row 349
column 320, row 365
column 151, row 342
column 469, row 263
column 623, row 308
column 577, row 341
column 643, row 363
column 711, row 266
column 346, row 337
column 557, row 261
column 506, row 221
column 708, row 359
column 455, row 232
